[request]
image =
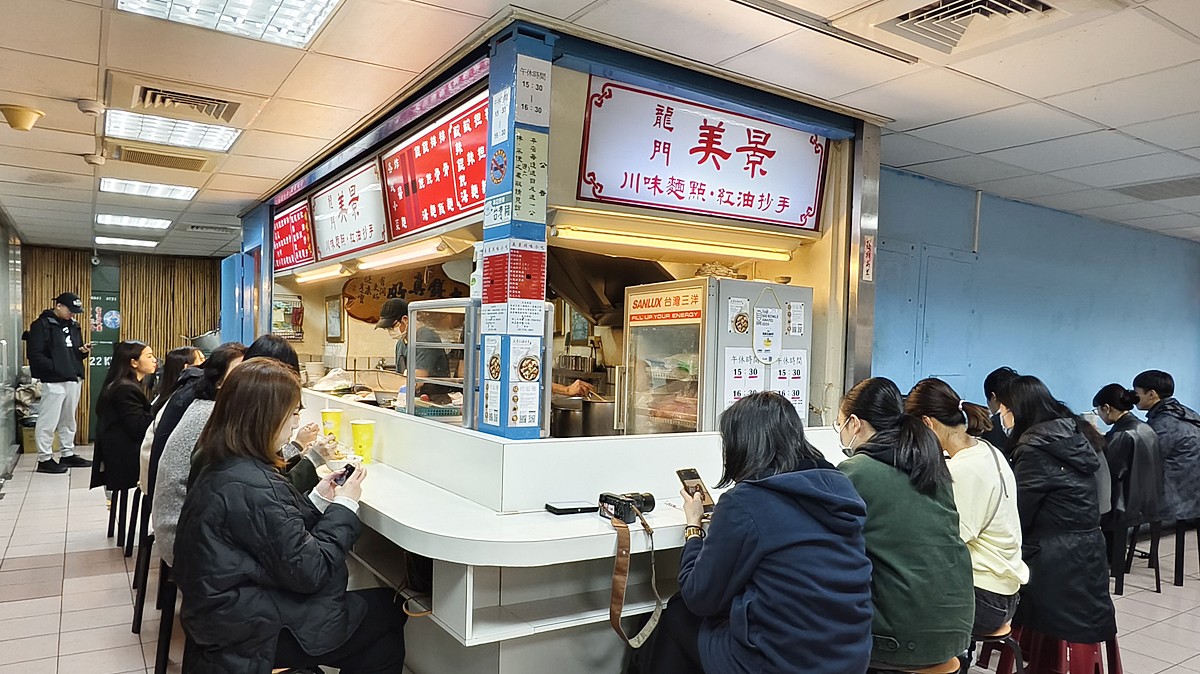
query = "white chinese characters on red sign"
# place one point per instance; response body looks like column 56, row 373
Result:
column 648, row 149
column 292, row 238
column 666, row 307
column 349, row 216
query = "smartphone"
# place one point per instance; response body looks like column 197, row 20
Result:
column 340, row 479
column 572, row 507
column 690, row 478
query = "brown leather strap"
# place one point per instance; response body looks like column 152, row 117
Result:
column 620, row 582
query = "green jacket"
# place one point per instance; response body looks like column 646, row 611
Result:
column 921, row 584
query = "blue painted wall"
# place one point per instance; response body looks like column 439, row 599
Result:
column 1075, row 301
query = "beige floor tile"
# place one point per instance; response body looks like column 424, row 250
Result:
column 30, row 607
column 97, row 639
column 1176, row 602
column 1188, row 621
column 38, row 561
column 23, row 576
column 98, row 617
column 47, row 666
column 39, row 537
column 97, row 599
column 29, row 648
column 1136, row 663
column 30, row 626
column 1128, row 623
column 34, row 550
column 110, row 661
column 1155, row 613
column 112, row 581
column 1172, row 633
column 1159, row 649
column 49, row 588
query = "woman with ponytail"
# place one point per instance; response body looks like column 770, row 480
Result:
column 985, row 494
column 921, row 584
column 1058, row 471
column 1133, row 457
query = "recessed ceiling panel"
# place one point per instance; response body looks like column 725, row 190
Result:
column 60, row 115
column 1081, row 150
column 1177, row 221
column 1133, row 171
column 826, row 9
column 326, row 80
column 1182, row 13
column 279, row 146
column 303, row 118
column 55, row 28
column 394, row 33
column 1018, row 125
column 43, row 178
column 967, row 170
column 1029, row 187
column 45, row 76
column 248, row 184
column 45, row 161
column 1186, row 204
column 257, row 167
column 1075, row 201
column 292, row 23
column 901, row 149
column 1141, row 209
column 928, row 97
column 1177, row 133
column 709, row 32
column 45, row 192
column 49, row 205
column 1165, row 93
column 49, row 140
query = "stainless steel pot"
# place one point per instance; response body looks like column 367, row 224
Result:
column 566, row 418
column 599, row 417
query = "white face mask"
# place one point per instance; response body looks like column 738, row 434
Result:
column 1007, row 429
column 848, row 450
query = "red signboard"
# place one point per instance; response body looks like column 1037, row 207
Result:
column 292, row 238
column 438, row 173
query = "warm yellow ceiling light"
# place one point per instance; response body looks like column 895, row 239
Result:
column 644, row 240
column 20, row 117
column 324, row 273
column 413, row 253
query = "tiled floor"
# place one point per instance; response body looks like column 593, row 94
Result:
column 66, row 603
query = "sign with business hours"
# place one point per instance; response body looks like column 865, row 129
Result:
column 438, row 173
column 768, row 333
column 349, row 216
column 648, row 149
column 789, row 378
column 743, row 374
column 533, row 90
column 292, row 238
column 666, row 307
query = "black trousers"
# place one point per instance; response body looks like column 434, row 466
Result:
column 376, row 647
column 675, row 646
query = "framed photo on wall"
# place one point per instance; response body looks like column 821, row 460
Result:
column 334, row 320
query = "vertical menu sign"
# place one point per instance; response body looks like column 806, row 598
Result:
column 348, row 216
column 438, row 174
column 292, row 237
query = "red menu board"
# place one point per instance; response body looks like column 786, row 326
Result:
column 438, row 173
column 292, row 238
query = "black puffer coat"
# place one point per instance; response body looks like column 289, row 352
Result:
column 122, row 417
column 1178, row 430
column 1067, row 594
column 253, row 557
column 1137, row 473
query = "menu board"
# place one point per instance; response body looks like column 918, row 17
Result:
column 292, row 237
column 348, row 216
column 438, row 173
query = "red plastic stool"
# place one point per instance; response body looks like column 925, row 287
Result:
column 1046, row 655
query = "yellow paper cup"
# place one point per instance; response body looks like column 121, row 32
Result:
column 362, row 433
column 331, row 422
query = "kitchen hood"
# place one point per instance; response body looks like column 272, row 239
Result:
column 594, row 284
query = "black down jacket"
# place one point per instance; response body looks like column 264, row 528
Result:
column 254, row 557
column 1067, row 594
column 1137, row 473
column 1178, row 430
column 122, row 417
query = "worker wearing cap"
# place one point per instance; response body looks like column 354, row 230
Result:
column 56, row 352
column 393, row 317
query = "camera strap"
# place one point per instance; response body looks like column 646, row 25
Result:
column 620, row 581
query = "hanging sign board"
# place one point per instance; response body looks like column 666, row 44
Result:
column 648, row 149
column 438, row 173
column 348, row 216
column 292, row 237
column 682, row 306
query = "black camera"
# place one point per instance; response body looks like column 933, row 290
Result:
column 625, row 506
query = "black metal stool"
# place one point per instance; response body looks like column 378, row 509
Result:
column 1152, row 556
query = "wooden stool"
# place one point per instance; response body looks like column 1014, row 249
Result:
column 1001, row 640
column 951, row 666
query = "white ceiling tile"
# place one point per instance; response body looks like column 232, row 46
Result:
column 826, row 9
column 326, row 80
column 1077, row 201
column 222, row 197
column 1029, row 187
column 1131, row 171
column 968, row 170
column 46, row 76
column 394, row 33
column 1018, row 125
column 49, row 140
column 257, row 167
column 60, row 115
column 560, row 9
column 1186, row 204
column 1189, row 234
column 1138, row 99
column 1141, row 209
column 56, row 28
column 279, row 146
column 142, row 44
column 55, row 205
column 1081, row 150
column 45, row 192
column 1177, row 133
column 708, row 32
column 1194, row 152
column 24, row 175
column 928, row 97
column 901, row 149
column 1182, row 13
column 202, row 209
column 234, row 183
column 40, row 159
column 302, row 118
column 1176, row 221
column 1122, row 44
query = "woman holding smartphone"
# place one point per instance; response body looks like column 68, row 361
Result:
column 781, row 581
column 262, row 568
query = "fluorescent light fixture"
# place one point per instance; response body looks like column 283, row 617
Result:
column 116, row 241
column 130, row 221
column 323, row 274
column 167, row 131
column 291, row 23
column 415, row 252
column 575, row 233
column 141, row 189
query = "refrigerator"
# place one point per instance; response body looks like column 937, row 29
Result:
column 694, row 347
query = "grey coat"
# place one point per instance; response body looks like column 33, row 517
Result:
column 1178, row 430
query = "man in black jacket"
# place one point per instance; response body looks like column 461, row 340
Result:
column 56, row 353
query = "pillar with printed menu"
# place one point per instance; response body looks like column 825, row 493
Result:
column 514, row 234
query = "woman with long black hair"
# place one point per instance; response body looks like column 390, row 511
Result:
column 1133, row 459
column 1056, row 466
column 921, row 584
column 122, row 416
column 174, row 364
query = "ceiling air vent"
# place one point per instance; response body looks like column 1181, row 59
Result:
column 150, row 155
column 230, row 230
column 943, row 25
column 1166, row 189
column 162, row 100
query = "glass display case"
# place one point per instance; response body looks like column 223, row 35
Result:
column 442, row 360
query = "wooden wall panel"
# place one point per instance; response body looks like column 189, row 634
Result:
column 164, row 299
column 45, row 273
